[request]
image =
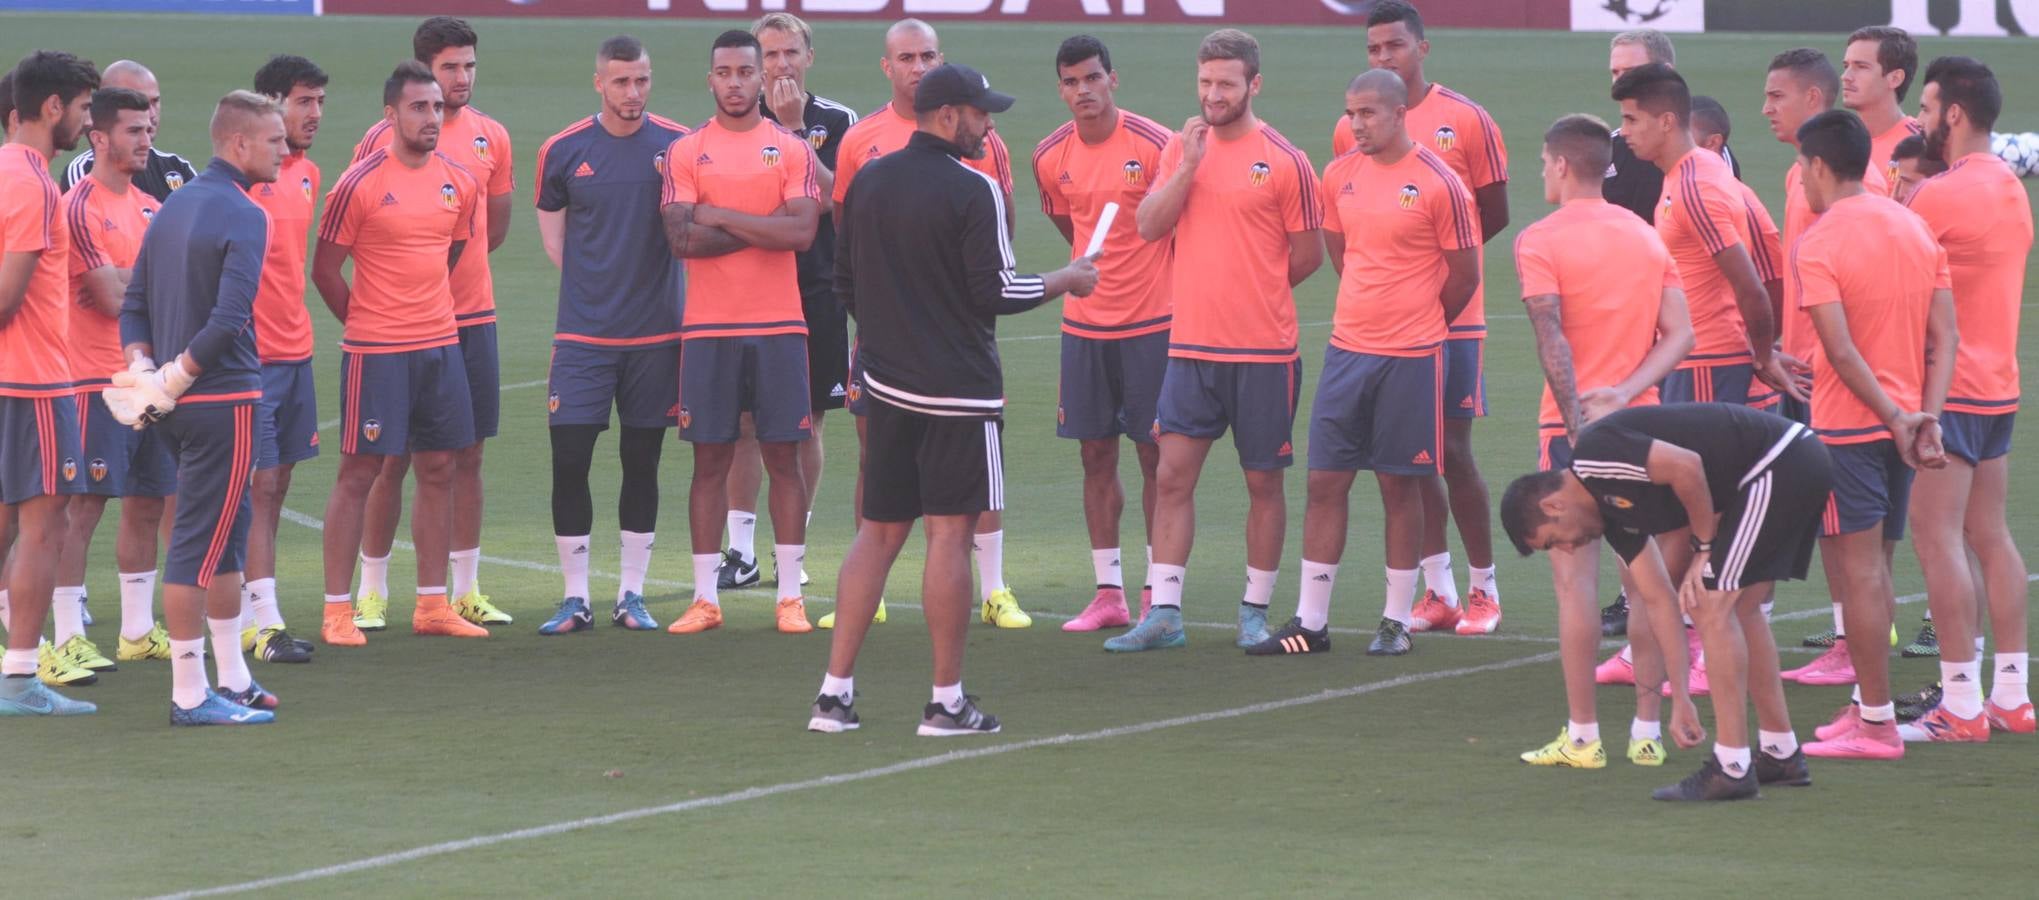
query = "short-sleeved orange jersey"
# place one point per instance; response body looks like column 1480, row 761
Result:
column 1233, row 302
column 1609, row 270
column 1883, row 146
column 1886, row 296
column 1766, row 243
column 1703, row 211
column 752, row 291
column 1461, row 133
column 1982, row 217
column 401, row 224
column 1077, row 180
column 32, row 220
column 1796, row 330
column 481, row 145
column 1398, row 221
column 283, row 326
column 106, row 230
column 886, row 130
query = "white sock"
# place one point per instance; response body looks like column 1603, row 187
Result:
column 337, row 599
column 438, row 591
column 743, row 534
column 1627, row 653
column 1437, row 578
column 990, row 547
column 1963, row 685
column 65, row 614
column 1167, row 582
column 1978, row 646
column 950, row 696
column 6, row 612
column 466, row 568
column 705, row 566
column 1478, row 579
column 573, row 562
column 262, row 603
column 1767, row 606
column 1260, row 586
column 1645, row 730
column 1777, row 744
column 1885, row 713
column 18, row 662
column 375, row 575
column 187, row 672
column 2009, row 690
column 844, row 688
column 228, row 668
column 1583, row 733
column 787, row 558
column 1401, row 595
column 1840, row 630
column 1313, row 605
column 1105, row 565
column 137, row 604
column 636, row 562
column 1734, row 759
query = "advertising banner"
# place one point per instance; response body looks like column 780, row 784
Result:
column 186, row 7
column 1459, row 13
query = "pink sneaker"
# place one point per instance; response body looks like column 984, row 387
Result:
column 1842, row 723
column 1433, row 614
column 1482, row 614
column 1616, row 670
column 1831, row 668
column 1106, row 610
column 1695, row 682
column 1864, row 741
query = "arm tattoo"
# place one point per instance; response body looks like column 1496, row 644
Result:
column 1555, row 353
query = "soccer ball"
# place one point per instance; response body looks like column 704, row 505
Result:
column 2020, row 149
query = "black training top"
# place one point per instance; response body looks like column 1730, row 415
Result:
column 1611, row 458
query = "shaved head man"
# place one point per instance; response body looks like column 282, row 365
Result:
column 166, row 171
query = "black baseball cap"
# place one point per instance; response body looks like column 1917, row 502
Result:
column 950, row 84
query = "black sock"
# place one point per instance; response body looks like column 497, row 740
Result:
column 573, row 453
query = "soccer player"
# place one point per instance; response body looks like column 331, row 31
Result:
column 788, row 43
column 1242, row 206
column 1885, row 322
column 925, row 259
column 481, row 145
column 1606, row 335
column 405, row 213
column 1402, row 234
column 618, row 333
column 192, row 300
column 1704, row 218
column 39, row 428
column 1800, row 84
column 1115, row 341
column 1746, row 488
column 1980, row 214
column 1876, row 71
column 166, row 171
column 1460, row 132
column 287, row 419
column 107, row 215
column 911, row 50
column 741, row 198
column 1912, row 167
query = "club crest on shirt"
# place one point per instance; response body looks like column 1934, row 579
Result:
column 96, row 469
column 148, row 214
column 1667, row 201
column 481, row 147
column 1446, row 138
column 174, row 179
column 686, row 417
column 552, row 402
column 658, row 163
column 305, row 185
column 448, row 197
column 856, row 392
column 1618, row 502
column 1257, row 174
column 1890, row 176
column 817, row 136
column 70, row 469
column 770, row 155
column 1408, row 197
column 1134, row 171
column 372, row 430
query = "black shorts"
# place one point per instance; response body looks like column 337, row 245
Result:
column 828, row 351
column 1769, row 532
column 920, row 465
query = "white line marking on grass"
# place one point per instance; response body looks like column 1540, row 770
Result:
column 912, row 765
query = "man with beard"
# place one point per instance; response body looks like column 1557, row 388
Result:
column 618, row 333
column 287, row 419
column 166, row 171
column 405, row 213
column 741, row 198
column 38, row 421
column 1241, row 204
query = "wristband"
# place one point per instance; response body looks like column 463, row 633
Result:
column 1699, row 546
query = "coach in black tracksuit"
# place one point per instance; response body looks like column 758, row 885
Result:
column 924, row 260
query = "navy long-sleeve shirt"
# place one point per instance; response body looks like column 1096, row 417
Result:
column 194, row 283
